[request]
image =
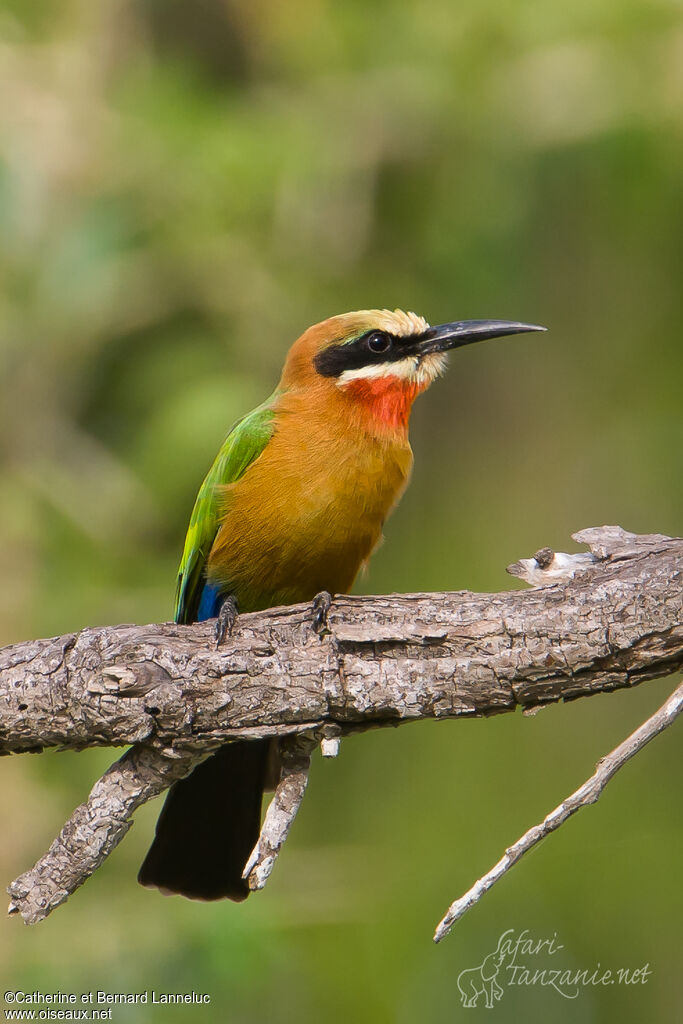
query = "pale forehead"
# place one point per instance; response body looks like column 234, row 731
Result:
column 395, row 321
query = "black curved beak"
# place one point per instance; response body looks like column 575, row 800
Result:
column 466, row 332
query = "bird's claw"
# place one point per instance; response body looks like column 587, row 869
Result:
column 227, row 616
column 321, row 606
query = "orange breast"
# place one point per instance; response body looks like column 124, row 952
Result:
column 309, row 511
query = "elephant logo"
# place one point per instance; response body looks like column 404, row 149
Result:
column 477, row 981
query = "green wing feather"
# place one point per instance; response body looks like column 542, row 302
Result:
column 244, row 443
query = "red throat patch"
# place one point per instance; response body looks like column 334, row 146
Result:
column 387, row 400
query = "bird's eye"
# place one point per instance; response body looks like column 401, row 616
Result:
column 378, row 342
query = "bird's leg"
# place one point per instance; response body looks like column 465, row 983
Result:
column 227, row 616
column 320, row 608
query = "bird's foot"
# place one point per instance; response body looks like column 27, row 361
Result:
column 321, row 606
column 227, row 616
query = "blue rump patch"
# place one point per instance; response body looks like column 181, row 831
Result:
column 209, row 603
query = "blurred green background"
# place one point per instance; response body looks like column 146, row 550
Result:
column 184, row 187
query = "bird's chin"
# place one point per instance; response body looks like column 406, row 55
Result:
column 430, row 367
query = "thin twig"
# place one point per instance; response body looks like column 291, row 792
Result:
column 588, row 793
column 295, row 757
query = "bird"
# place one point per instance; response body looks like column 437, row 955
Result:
column 292, row 508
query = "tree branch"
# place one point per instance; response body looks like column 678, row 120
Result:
column 295, row 753
column 594, row 623
column 93, row 830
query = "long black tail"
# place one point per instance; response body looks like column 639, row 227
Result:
column 209, row 825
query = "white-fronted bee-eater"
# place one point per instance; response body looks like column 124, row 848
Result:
column 293, row 506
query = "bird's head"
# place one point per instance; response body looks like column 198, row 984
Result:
column 381, row 360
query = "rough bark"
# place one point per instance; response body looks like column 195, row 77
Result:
column 382, row 660
column 594, row 623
